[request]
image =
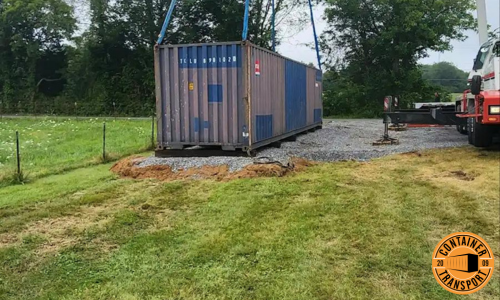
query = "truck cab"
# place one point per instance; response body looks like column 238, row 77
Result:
column 481, row 104
column 484, row 65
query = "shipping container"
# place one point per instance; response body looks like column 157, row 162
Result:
column 235, row 95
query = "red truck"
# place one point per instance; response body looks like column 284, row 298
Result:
column 477, row 114
column 480, row 105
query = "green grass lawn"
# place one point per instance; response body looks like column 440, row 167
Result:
column 344, row 230
column 53, row 145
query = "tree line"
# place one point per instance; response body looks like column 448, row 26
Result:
column 372, row 48
column 446, row 77
column 95, row 57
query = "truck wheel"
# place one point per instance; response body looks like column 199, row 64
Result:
column 481, row 135
column 470, row 131
column 462, row 129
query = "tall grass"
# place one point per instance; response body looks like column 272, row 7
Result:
column 54, row 145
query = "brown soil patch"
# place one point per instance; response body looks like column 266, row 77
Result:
column 7, row 240
column 128, row 168
column 462, row 175
column 63, row 232
column 59, row 233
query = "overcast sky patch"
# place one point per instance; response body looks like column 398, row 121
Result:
column 462, row 55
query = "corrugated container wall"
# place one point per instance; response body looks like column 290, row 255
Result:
column 233, row 95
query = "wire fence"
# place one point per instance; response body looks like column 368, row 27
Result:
column 56, row 107
column 43, row 146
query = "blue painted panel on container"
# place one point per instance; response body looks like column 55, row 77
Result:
column 214, row 93
column 318, row 115
column 263, row 127
column 295, row 95
column 196, row 125
column 319, row 75
column 206, row 124
column 216, row 56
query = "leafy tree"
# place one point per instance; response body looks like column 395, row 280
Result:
column 374, row 45
column 108, row 66
column 32, row 34
column 445, row 75
column 112, row 65
column 198, row 21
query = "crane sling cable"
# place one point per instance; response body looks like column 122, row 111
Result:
column 244, row 34
column 273, row 23
column 161, row 36
column 245, row 29
column 273, row 29
column 315, row 36
column 171, row 9
column 166, row 22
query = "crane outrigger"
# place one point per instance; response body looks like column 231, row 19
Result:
column 477, row 114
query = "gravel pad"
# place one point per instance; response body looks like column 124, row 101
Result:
column 338, row 140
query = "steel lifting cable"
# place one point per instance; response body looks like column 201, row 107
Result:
column 245, row 26
column 171, row 9
column 315, row 36
column 166, row 22
column 273, row 30
column 245, row 20
column 264, row 160
column 273, row 18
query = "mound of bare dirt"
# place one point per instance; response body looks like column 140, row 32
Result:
column 462, row 175
column 128, row 168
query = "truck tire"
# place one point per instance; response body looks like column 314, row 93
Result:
column 462, row 129
column 475, row 85
column 479, row 135
column 469, row 131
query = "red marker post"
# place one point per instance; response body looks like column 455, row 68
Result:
column 388, row 104
column 386, row 140
column 387, row 108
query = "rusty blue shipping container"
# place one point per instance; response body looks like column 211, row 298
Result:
column 234, row 95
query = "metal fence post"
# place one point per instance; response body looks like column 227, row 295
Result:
column 104, row 142
column 153, row 132
column 18, row 154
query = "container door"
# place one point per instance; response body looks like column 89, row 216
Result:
column 267, row 94
column 201, row 94
column 295, row 96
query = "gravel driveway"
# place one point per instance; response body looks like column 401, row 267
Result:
column 338, row 140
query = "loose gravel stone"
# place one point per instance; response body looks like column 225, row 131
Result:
column 338, row 140
column 177, row 163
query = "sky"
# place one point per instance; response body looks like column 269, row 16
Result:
column 461, row 56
